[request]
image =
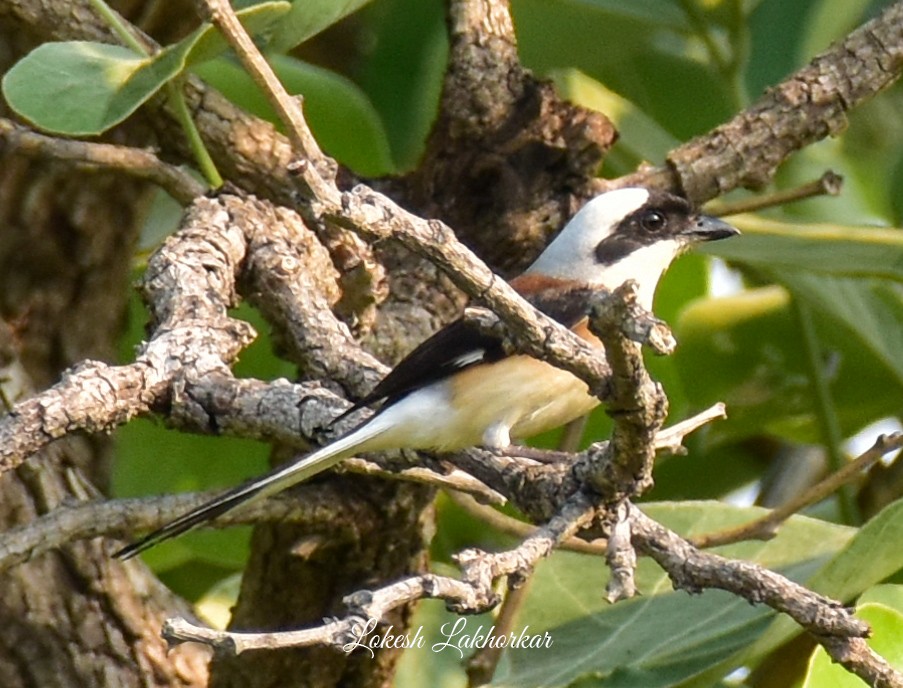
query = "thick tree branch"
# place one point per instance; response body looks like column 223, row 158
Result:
column 807, row 107
column 249, row 409
column 636, row 403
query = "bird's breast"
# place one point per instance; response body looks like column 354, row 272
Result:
column 528, row 395
column 521, row 395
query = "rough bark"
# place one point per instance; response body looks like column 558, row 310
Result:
column 71, row 617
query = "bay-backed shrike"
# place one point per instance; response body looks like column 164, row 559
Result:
column 459, row 388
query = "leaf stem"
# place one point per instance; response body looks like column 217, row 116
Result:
column 195, row 143
column 119, row 27
column 825, row 411
column 173, row 91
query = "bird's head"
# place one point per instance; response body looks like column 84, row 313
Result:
column 626, row 234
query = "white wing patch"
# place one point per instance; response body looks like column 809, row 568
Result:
column 471, row 357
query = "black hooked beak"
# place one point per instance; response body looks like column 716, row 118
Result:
column 708, row 228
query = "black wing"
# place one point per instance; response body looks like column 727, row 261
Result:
column 456, row 346
column 460, row 345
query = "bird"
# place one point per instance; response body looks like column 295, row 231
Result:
column 459, row 388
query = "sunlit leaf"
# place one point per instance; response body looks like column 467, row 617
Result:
column 886, row 639
column 81, row 88
column 663, row 637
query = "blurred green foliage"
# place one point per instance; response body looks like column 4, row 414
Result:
column 664, row 71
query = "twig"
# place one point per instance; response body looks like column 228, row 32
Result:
column 511, row 526
column 830, row 623
column 829, row 184
column 122, row 517
column 620, row 557
column 287, row 107
column 118, row 518
column 472, row 593
column 135, row 162
column 671, row 438
column 483, row 662
column 766, row 527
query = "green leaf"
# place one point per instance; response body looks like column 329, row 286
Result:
column 341, row 117
column 307, row 18
column 744, row 350
column 819, row 248
column 404, row 73
column 870, row 309
column 889, row 595
column 886, row 640
column 663, row 637
column 81, row 88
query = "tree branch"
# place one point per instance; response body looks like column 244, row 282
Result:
column 472, row 593
column 766, row 527
column 830, row 623
column 135, row 162
column 806, row 107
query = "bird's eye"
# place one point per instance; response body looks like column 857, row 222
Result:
column 653, row 221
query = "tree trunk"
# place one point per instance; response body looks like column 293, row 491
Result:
column 71, row 617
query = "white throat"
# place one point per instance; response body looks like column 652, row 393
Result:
column 646, row 266
column 572, row 255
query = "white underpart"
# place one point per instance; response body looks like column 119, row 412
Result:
column 416, row 421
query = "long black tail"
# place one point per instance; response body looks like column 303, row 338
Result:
column 275, row 481
column 206, row 512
